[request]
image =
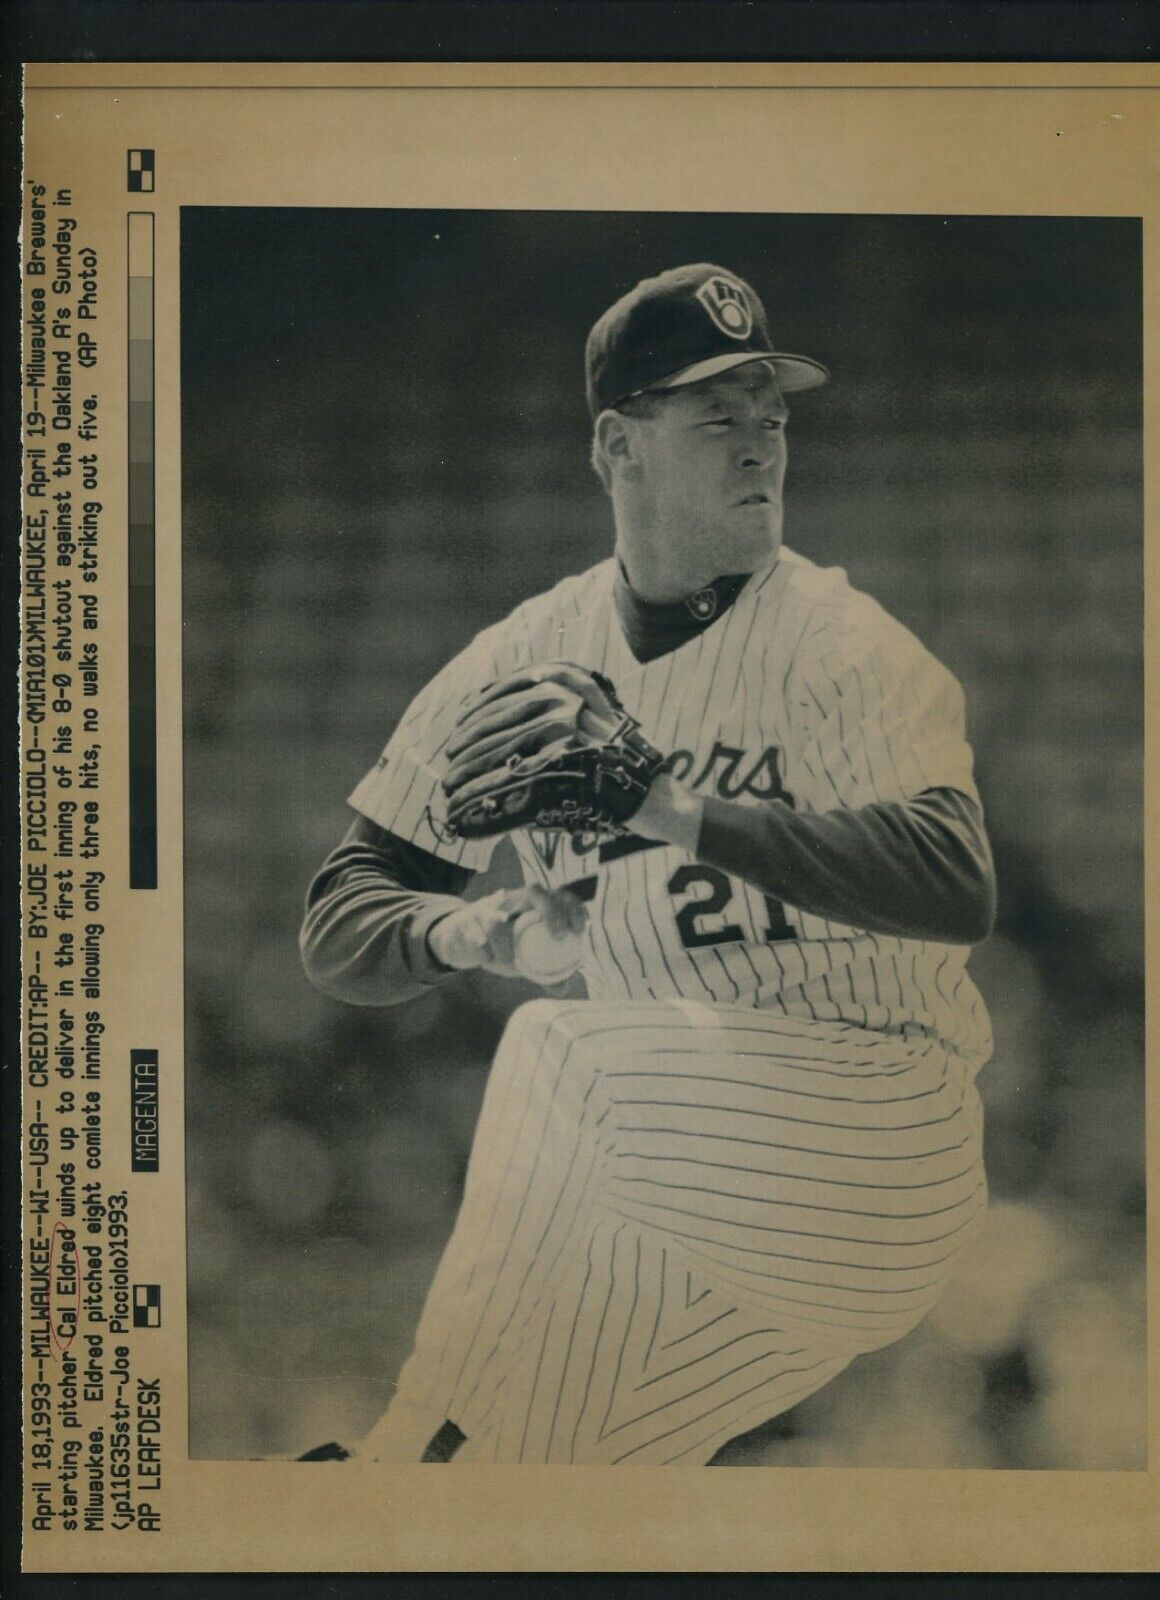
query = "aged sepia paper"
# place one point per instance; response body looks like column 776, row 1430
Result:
column 303, row 405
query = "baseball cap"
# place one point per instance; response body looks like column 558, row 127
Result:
column 682, row 326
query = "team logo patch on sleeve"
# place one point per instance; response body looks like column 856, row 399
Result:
column 724, row 300
column 438, row 827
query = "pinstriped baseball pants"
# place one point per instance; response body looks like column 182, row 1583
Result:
column 678, row 1221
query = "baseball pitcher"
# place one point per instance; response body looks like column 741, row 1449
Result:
column 743, row 802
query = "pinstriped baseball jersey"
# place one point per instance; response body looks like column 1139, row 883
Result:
column 804, row 689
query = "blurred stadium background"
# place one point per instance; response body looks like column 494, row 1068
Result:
column 385, row 448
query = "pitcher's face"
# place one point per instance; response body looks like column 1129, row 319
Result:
column 712, row 461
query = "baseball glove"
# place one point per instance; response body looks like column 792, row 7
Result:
column 548, row 747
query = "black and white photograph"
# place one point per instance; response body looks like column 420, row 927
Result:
column 663, row 834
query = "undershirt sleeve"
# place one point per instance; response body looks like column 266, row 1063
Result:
column 369, row 910
column 916, row 869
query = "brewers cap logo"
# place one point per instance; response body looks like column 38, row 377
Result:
column 724, row 300
column 702, row 604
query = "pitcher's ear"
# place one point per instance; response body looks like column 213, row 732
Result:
column 614, row 441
